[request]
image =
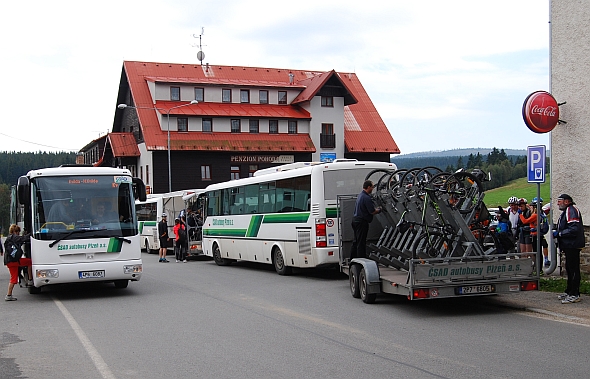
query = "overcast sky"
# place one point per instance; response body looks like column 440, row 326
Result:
column 442, row 74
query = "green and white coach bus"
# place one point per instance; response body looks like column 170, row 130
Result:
column 285, row 215
column 82, row 224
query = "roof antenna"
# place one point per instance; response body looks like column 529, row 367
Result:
column 200, row 54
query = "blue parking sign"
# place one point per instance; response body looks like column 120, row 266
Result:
column 536, row 164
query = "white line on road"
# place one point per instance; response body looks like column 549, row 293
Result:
column 100, row 364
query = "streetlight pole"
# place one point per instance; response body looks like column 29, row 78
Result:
column 123, row 106
column 169, row 161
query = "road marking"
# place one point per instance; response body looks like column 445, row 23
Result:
column 99, row 363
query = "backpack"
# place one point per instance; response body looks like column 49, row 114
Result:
column 181, row 235
column 544, row 225
column 13, row 252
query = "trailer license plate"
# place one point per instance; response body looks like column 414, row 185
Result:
column 90, row 274
column 475, row 289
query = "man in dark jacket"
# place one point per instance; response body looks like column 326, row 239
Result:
column 363, row 215
column 570, row 239
column 164, row 238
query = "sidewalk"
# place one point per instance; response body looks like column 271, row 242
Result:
column 547, row 303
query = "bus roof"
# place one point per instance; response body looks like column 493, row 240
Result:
column 77, row 170
column 300, row 171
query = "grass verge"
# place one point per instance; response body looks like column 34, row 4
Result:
column 558, row 285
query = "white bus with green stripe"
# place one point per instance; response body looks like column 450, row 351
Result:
column 285, row 216
column 78, row 243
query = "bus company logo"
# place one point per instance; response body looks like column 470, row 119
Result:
column 540, row 112
column 222, row 222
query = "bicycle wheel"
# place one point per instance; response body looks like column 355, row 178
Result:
column 433, row 245
column 469, row 188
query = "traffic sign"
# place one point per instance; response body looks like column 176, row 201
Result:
column 536, row 164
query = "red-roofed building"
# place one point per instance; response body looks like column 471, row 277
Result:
column 245, row 119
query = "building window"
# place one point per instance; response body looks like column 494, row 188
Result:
column 175, row 93
column 182, row 124
column 226, row 95
column 327, row 137
column 273, row 126
column 282, row 97
column 207, row 125
column 147, row 174
column 236, row 126
column 292, row 127
column 263, row 97
column 327, row 101
column 200, row 94
column 206, row 172
column 235, row 173
column 244, row 96
column 254, row 126
column 252, row 169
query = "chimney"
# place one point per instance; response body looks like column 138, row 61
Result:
column 291, row 78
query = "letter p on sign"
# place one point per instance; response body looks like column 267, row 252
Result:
column 536, row 164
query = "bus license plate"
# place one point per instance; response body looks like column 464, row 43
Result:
column 91, row 274
column 475, row 289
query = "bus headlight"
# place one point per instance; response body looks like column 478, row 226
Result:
column 51, row 273
column 132, row 269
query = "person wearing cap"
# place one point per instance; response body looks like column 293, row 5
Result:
column 513, row 215
column 571, row 240
column 164, row 238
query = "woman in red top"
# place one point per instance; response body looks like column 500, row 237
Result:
column 531, row 223
column 16, row 239
column 180, row 233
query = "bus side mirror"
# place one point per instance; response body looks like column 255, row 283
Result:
column 22, row 191
column 139, row 189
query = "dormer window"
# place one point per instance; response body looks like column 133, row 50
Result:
column 199, row 94
column 226, row 95
column 175, row 93
column 263, row 97
column 282, row 97
column 244, row 96
column 327, row 101
column 182, row 124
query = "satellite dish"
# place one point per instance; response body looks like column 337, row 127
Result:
column 200, row 55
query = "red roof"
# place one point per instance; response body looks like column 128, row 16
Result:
column 123, row 145
column 234, row 110
column 364, row 130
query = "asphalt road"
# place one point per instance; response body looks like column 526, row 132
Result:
column 199, row 320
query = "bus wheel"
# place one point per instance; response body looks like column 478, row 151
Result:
column 279, row 262
column 353, row 278
column 366, row 297
column 218, row 259
column 34, row 290
column 123, row 283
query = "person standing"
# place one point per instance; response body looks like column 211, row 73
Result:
column 513, row 215
column 13, row 261
column 524, row 228
column 363, row 215
column 164, row 238
column 570, row 239
column 180, row 233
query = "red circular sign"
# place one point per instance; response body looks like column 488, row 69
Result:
column 540, row 112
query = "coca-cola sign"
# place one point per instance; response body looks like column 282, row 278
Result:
column 540, row 112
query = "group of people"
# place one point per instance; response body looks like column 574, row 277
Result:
column 188, row 221
column 517, row 229
column 520, row 222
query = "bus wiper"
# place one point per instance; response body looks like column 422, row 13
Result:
column 123, row 239
column 67, row 235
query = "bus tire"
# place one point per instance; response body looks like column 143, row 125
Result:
column 123, row 283
column 218, row 259
column 353, row 278
column 278, row 261
column 366, row 297
column 34, row 290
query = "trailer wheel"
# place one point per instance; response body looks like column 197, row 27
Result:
column 278, row 261
column 218, row 259
column 353, row 278
column 366, row 297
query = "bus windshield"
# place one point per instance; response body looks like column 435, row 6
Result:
column 93, row 206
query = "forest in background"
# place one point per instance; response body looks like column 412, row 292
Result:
column 13, row 165
column 502, row 167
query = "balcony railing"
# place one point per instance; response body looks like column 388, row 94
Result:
column 327, row 141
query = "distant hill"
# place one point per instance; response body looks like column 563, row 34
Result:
column 459, row 153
